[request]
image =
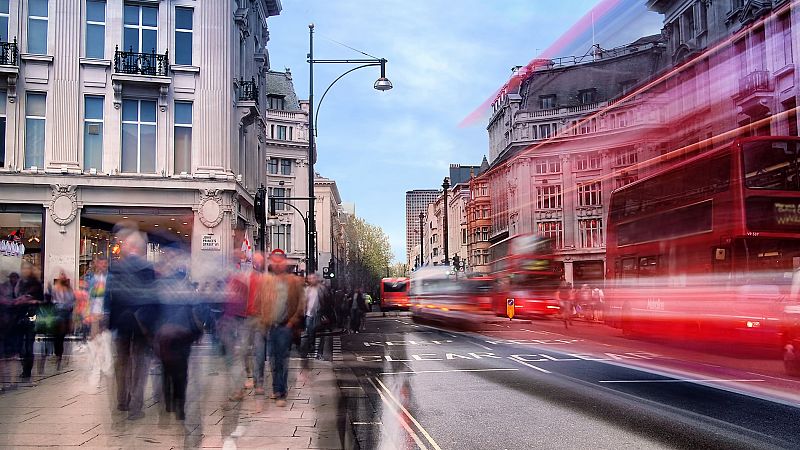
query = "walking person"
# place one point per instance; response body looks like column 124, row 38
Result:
column 179, row 326
column 29, row 296
column 63, row 300
column 256, row 340
column 281, row 298
column 233, row 331
column 565, row 296
column 313, row 296
column 99, row 345
column 132, row 309
column 358, row 308
column 7, row 323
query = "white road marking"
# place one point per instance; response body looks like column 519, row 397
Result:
column 350, row 387
column 450, row 371
column 529, row 365
column 402, row 422
column 680, row 380
column 367, row 423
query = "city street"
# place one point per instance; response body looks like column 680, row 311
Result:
column 520, row 385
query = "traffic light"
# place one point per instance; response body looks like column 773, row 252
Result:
column 456, row 261
column 328, row 273
column 258, row 204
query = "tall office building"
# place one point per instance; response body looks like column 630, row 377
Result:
column 416, row 202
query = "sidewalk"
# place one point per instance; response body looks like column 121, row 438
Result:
column 63, row 410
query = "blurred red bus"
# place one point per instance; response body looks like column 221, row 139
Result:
column 394, row 293
column 526, row 270
column 708, row 246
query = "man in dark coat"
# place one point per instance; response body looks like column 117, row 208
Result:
column 132, row 313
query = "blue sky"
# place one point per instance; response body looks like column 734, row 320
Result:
column 445, row 59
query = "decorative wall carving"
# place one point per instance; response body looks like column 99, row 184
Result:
column 63, row 205
column 210, row 211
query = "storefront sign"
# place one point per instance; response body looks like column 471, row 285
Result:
column 210, row 242
column 11, row 248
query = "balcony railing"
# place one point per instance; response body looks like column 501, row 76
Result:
column 756, row 81
column 248, row 90
column 151, row 64
column 9, row 53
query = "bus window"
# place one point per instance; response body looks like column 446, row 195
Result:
column 629, row 268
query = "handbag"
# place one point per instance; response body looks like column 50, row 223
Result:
column 46, row 319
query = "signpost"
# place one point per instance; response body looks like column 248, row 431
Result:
column 210, row 242
column 510, row 308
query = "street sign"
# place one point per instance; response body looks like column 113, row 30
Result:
column 210, row 242
column 510, row 308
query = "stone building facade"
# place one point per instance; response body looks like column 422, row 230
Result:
column 416, row 202
column 149, row 111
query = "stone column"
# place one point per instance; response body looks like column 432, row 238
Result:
column 570, row 196
column 62, row 234
column 64, row 99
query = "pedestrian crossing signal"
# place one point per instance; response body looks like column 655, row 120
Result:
column 327, row 272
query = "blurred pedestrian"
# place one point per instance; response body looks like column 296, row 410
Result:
column 29, row 296
column 598, row 304
column 566, row 296
column 233, row 329
column 100, row 341
column 313, row 296
column 132, row 309
column 281, row 298
column 179, row 325
column 63, row 299
column 358, row 307
column 258, row 332
column 7, row 323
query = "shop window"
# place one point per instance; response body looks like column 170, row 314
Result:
column 21, row 239
column 35, row 110
column 93, row 133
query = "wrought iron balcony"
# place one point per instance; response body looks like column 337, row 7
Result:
column 756, row 81
column 9, row 53
column 151, row 64
column 248, row 90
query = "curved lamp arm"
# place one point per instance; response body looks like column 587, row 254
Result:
column 316, row 113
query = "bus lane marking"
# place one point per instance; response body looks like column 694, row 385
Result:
column 533, row 341
column 406, row 343
column 520, row 361
column 417, row 372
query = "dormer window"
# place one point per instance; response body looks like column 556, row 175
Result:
column 587, row 96
column 547, row 101
column 276, row 102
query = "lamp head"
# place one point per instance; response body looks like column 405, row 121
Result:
column 383, row 84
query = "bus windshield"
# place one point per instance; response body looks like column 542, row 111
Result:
column 772, row 165
column 395, row 286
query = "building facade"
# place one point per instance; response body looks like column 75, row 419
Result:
column 286, row 150
column 559, row 144
column 416, row 202
column 330, row 226
column 148, row 111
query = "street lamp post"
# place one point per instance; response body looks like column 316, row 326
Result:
column 421, row 239
column 445, row 187
column 381, row 84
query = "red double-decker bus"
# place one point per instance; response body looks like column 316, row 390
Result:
column 394, row 293
column 708, row 247
column 525, row 269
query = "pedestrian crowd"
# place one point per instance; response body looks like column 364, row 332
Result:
column 587, row 303
column 135, row 317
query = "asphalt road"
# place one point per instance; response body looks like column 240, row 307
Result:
column 534, row 385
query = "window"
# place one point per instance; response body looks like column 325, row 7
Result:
column 141, row 28
column 587, row 161
column 626, row 158
column 138, row 136
column 3, row 99
column 276, row 102
column 35, row 110
column 552, row 229
column 587, row 96
column 281, row 237
column 544, row 131
column 589, row 194
column 93, row 132
column 484, row 190
column 291, row 133
column 282, row 131
column 622, row 120
column 547, row 102
column 702, row 17
column 627, row 86
column 784, row 40
column 624, row 180
column 272, row 166
column 37, row 26
column 183, row 137
column 688, row 25
column 591, row 233
column 279, row 192
column 548, row 197
column 4, row 20
column 286, row 167
column 95, row 29
column 183, row 35
column 463, row 236
column 548, row 165
column 485, row 234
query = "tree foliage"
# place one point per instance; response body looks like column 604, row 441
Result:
column 368, row 254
